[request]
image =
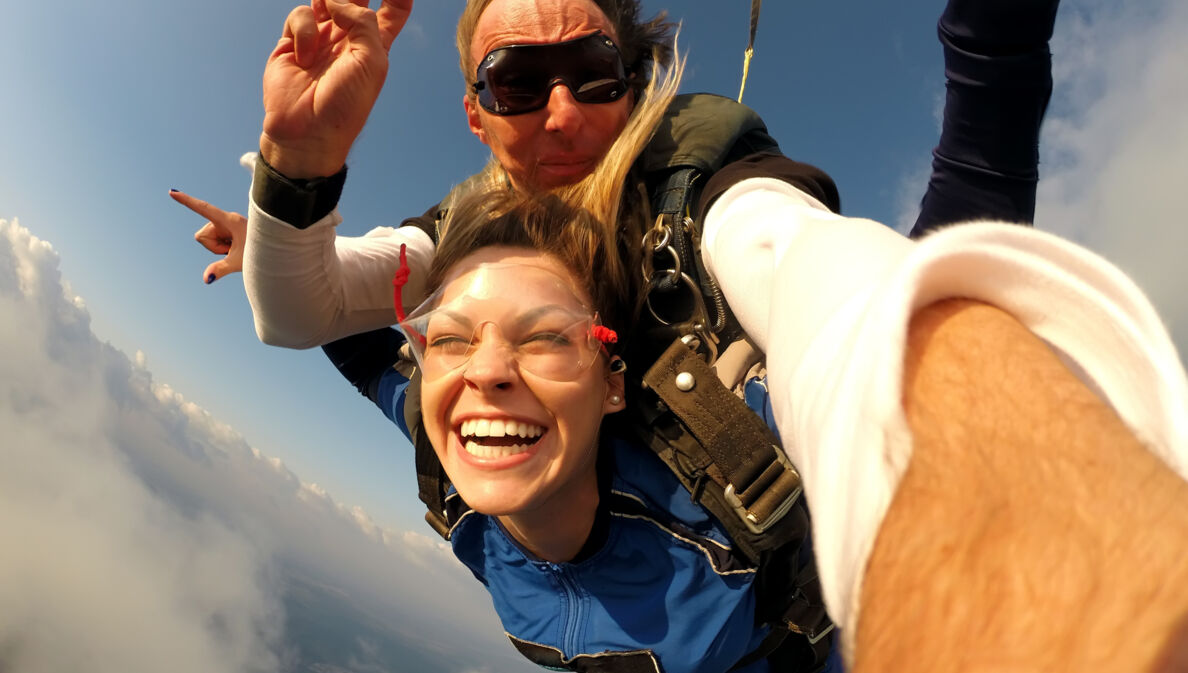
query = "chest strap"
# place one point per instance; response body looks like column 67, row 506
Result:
column 730, row 460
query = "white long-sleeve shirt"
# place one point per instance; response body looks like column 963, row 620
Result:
column 308, row 287
column 829, row 298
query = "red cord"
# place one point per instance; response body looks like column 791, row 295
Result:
column 604, row 334
column 398, row 281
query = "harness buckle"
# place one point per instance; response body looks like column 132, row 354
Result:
column 763, row 502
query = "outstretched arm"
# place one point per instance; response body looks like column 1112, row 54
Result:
column 842, row 308
column 310, row 287
column 998, row 79
column 306, row 287
column 1031, row 531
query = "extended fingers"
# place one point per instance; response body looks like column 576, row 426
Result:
column 392, row 15
column 357, row 21
column 301, row 26
column 197, row 205
column 222, row 218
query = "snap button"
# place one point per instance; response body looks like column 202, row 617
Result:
column 685, row 382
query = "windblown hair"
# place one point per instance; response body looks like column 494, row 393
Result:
column 545, row 223
column 594, row 227
column 639, row 41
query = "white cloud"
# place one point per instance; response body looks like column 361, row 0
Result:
column 138, row 533
column 1114, row 147
column 99, row 572
column 1115, row 144
column 907, row 202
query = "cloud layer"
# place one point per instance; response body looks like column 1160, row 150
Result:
column 140, row 534
column 1115, row 143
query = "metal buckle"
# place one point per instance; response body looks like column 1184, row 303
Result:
column 811, row 635
column 658, row 240
column 749, row 519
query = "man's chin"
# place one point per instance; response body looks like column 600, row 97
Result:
column 550, row 176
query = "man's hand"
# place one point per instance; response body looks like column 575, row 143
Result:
column 223, row 234
column 322, row 80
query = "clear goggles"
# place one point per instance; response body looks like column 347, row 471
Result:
column 520, row 78
column 510, row 312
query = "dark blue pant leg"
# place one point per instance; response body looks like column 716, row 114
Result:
column 998, row 72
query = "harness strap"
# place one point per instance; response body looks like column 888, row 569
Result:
column 769, row 645
column 680, row 293
column 431, row 477
column 803, row 613
column 672, row 195
column 756, row 485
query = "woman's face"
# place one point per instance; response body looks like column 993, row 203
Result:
column 512, row 437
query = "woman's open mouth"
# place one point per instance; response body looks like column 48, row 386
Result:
column 497, row 438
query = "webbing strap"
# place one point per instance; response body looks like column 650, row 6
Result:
column 431, row 476
column 758, row 482
column 673, row 195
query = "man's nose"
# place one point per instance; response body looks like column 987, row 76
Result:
column 565, row 113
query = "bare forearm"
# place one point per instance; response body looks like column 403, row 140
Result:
column 1031, row 531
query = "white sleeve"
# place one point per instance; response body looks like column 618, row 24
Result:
column 829, row 298
column 308, row 287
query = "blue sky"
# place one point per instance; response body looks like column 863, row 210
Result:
column 127, row 104
column 97, row 133
column 112, row 106
column 188, row 444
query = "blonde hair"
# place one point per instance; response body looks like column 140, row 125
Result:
column 594, row 227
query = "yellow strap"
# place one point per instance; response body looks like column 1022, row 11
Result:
column 750, row 52
column 746, row 71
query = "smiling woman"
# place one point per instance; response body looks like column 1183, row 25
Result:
column 567, row 524
column 514, row 387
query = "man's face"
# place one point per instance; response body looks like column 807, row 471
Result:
column 562, row 142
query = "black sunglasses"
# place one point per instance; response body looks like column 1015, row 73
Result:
column 519, row 78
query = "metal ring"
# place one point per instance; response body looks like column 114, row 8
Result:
column 649, row 269
column 675, row 271
column 665, row 229
column 692, row 285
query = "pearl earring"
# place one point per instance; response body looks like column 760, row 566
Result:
column 616, row 399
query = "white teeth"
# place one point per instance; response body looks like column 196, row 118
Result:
column 483, row 451
column 484, row 427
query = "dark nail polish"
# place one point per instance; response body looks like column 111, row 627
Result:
column 210, row 279
column 171, row 190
